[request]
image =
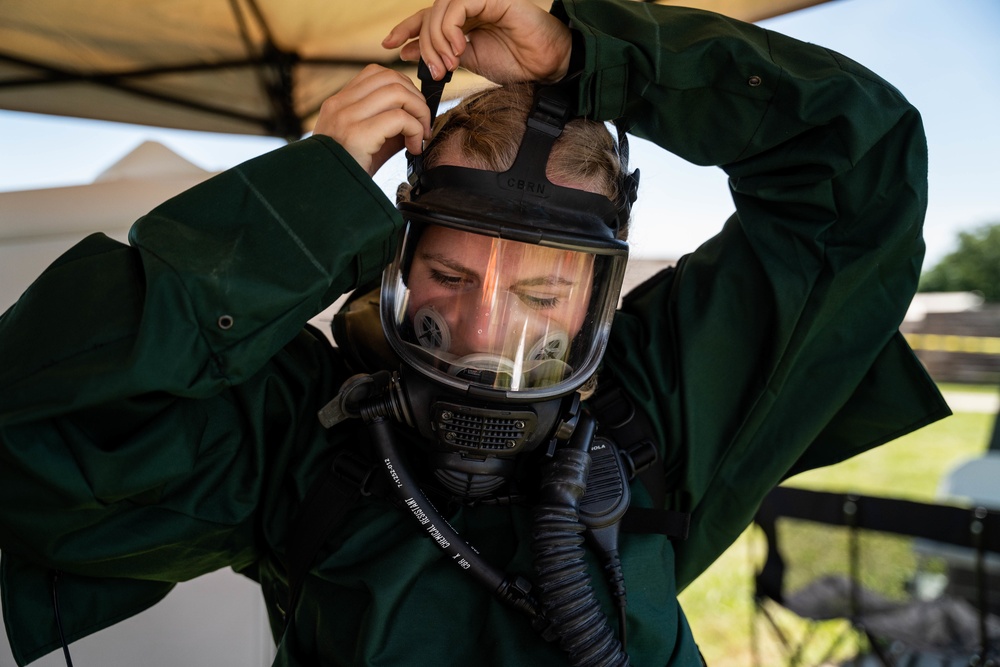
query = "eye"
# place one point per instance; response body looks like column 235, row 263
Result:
column 539, row 302
column 450, row 280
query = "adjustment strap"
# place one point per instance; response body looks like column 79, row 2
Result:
column 646, row 520
column 629, row 180
column 546, row 120
column 432, row 91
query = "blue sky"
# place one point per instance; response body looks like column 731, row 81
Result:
column 945, row 57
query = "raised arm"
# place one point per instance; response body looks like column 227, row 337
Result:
column 154, row 383
column 774, row 346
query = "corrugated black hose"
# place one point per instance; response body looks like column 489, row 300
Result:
column 562, row 582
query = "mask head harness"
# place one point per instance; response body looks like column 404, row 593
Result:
column 526, row 217
column 524, row 187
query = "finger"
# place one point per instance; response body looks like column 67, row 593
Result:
column 373, row 91
column 428, row 45
column 379, row 137
column 396, row 123
column 372, row 78
column 443, row 12
column 394, row 77
column 457, row 21
column 363, row 83
column 396, row 96
column 414, row 136
column 416, row 107
column 405, row 30
column 389, row 148
column 410, row 52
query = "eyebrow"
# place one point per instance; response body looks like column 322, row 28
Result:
column 447, row 261
column 527, row 282
column 542, row 281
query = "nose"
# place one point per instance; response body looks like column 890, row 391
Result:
column 478, row 323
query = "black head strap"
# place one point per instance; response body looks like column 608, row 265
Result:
column 629, row 187
column 432, row 91
column 546, row 121
column 526, row 180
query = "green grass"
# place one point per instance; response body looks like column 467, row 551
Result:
column 970, row 388
column 719, row 604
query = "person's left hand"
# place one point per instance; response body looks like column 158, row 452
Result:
column 502, row 40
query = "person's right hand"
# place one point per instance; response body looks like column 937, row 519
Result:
column 502, row 40
column 374, row 116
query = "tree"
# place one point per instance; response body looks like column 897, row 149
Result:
column 973, row 267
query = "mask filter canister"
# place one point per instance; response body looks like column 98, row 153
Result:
column 431, row 329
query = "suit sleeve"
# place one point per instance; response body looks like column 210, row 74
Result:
column 152, row 392
column 749, row 356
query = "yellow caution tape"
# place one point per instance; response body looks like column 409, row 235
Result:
column 951, row 343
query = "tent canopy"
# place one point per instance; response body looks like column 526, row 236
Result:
column 239, row 66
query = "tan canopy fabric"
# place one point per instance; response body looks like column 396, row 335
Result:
column 238, row 66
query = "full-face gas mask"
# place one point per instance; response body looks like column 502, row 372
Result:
column 499, row 305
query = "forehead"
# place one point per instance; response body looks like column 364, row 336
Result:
column 476, row 253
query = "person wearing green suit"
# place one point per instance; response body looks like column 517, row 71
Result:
column 159, row 400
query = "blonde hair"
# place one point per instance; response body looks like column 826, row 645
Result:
column 486, row 129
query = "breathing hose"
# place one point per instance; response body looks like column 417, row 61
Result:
column 566, row 608
column 562, row 582
column 513, row 590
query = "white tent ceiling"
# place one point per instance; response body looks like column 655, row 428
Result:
column 240, row 66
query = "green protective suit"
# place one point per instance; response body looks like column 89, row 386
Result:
column 158, row 400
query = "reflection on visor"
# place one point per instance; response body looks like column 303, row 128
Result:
column 500, row 372
column 432, row 332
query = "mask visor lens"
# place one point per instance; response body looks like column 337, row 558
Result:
column 496, row 312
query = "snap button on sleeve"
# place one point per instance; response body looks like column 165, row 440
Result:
column 754, row 81
column 225, row 322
